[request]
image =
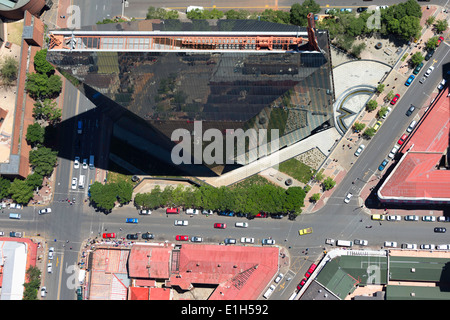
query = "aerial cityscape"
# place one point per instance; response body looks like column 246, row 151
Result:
column 238, row 151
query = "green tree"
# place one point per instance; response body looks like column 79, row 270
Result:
column 328, row 183
column 298, row 14
column 430, row 20
column 390, row 95
column 103, row 196
column 47, row 110
column 410, row 27
column 43, row 160
column 21, row 192
column 358, row 126
column 380, row 88
column 416, row 58
column 41, row 65
column 5, row 184
column 371, row 105
column 276, row 16
column 315, row 197
column 369, row 132
column 382, row 112
column 441, row 25
column 124, row 191
column 35, row 180
column 54, row 85
column 35, row 134
column 33, row 283
column 237, row 15
column 432, row 43
column 37, row 85
column 9, row 70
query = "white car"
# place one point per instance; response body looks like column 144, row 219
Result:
column 443, row 219
column 412, row 218
column 359, row 150
column 390, row 244
column 208, row 212
column 429, row 218
column 429, row 71
column 381, row 7
column 389, row 109
column 241, row 224
column 393, row 152
column 74, row 183
column 348, row 197
column 443, row 247
column 144, row 212
column 76, row 163
column 2, row 233
column 427, row 246
column 441, row 84
column 15, row 206
column 196, row 239
column 85, row 164
column 49, row 267
column 192, row 211
column 46, row 210
column 43, row 292
column 268, row 241
column 394, row 218
column 361, row 242
column 409, row 246
column 279, row 277
column 181, row 222
column 50, row 255
column 247, row 240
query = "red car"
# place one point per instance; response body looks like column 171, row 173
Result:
column 441, row 38
column 109, row 235
column 301, row 284
column 394, row 101
column 262, row 215
column 310, row 270
column 220, row 225
column 402, row 139
column 182, row 238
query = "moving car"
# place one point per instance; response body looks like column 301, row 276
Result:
column 132, row 220
column 49, row 267
column 46, row 210
column 109, row 235
column 394, row 218
column 148, row 236
column 241, row 224
column 393, row 152
column 402, row 139
column 268, row 241
column 182, row 238
column 247, row 240
column 305, row 231
column 440, row 230
column 230, row 241
column 133, row 236
column 181, row 222
column 411, row 218
column 409, row 246
column 145, row 212
column 50, row 253
column 422, row 80
column 76, row 163
column 383, row 164
column 410, row 110
column 361, row 242
column 418, row 68
column 395, row 99
column 390, row 244
column 359, row 150
column 74, row 183
column 429, row 218
column 348, row 197
column 410, row 79
column 427, row 246
column 196, row 239
column 85, row 164
column 220, row 225
column 429, row 71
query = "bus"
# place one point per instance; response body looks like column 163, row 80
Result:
column 81, row 181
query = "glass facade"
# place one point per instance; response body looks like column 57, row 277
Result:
column 149, row 95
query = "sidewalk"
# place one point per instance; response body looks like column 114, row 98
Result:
column 340, row 160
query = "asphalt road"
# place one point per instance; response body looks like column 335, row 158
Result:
column 338, row 220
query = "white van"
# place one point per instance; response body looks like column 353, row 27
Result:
column 411, row 126
column 269, row 292
column 344, row 243
column 81, row 182
column 14, row 215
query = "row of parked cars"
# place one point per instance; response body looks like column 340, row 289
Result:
column 413, row 246
column 411, row 217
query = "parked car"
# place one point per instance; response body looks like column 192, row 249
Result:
column 443, row 219
column 418, row 68
column 132, row 220
column 390, row 244
column 388, row 110
column 429, row 55
column 441, row 38
column 181, row 238
column 132, row 236
column 279, row 277
column 409, row 246
column 49, row 267
column 148, row 236
column 443, row 247
column 441, row 84
column 268, row 241
column 361, row 9
column 440, row 230
column 377, row 217
column 346, row 10
column 410, row 110
column 145, row 212
column 310, row 270
column 402, row 139
column 262, row 215
column 359, row 150
column 377, row 125
column 429, row 218
column 196, row 239
column 395, row 99
column 429, row 71
column 427, row 246
column 181, row 222
column 383, row 164
column 226, row 213
column 411, row 126
column 15, row 234
column 348, row 197
column 361, row 242
column 230, row 241
column 241, row 224
column 192, row 211
column 46, row 210
column 411, row 218
column 410, row 79
column 301, row 284
column 393, row 152
column 220, row 225
column 394, row 218
column 330, row 241
column 43, row 292
column 247, row 240
column 208, row 212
